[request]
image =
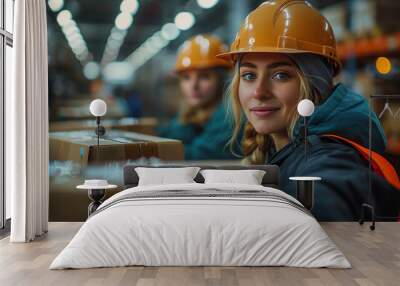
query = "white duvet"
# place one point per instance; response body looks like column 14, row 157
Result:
column 200, row 231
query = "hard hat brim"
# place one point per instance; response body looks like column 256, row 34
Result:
column 232, row 56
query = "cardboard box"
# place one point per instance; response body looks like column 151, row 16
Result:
column 115, row 145
column 144, row 125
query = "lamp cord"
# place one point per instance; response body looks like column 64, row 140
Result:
column 98, row 137
column 305, row 137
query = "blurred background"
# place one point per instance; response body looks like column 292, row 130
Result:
column 124, row 52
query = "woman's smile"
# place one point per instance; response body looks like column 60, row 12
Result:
column 264, row 111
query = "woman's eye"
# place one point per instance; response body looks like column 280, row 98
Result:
column 282, row 76
column 248, row 76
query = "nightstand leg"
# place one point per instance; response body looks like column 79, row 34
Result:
column 96, row 196
column 362, row 219
column 305, row 193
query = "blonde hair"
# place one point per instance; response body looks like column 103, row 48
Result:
column 198, row 115
column 255, row 146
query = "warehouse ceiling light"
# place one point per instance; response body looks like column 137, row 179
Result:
column 184, row 20
column 69, row 25
column 64, row 17
column 383, row 65
column 147, row 50
column 118, row 33
column 129, row 6
column 74, row 37
column 70, row 29
column 56, row 5
column 91, row 70
column 123, row 21
column 72, row 34
column 160, row 39
column 207, row 4
column 118, row 72
column 149, row 47
column 80, row 50
column 76, row 42
column 170, row 32
column 83, row 56
column 114, row 43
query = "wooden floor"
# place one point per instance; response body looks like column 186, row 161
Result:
column 375, row 257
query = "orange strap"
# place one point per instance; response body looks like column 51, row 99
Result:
column 378, row 163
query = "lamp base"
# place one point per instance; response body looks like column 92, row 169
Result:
column 96, row 196
column 100, row 130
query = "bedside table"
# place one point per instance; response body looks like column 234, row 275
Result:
column 96, row 192
column 305, row 190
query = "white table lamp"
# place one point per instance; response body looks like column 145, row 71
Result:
column 98, row 108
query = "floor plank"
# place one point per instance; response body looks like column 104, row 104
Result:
column 374, row 255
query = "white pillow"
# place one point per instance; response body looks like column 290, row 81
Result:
column 163, row 176
column 248, row 177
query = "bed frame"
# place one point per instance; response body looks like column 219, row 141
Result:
column 270, row 179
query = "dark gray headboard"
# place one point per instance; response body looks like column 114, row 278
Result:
column 270, row 179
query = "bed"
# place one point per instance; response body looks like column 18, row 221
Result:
column 198, row 224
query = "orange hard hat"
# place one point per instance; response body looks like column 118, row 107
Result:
column 199, row 52
column 285, row 26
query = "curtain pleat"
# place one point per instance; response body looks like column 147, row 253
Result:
column 29, row 159
column 15, row 130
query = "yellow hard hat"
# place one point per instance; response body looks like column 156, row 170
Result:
column 199, row 52
column 285, row 26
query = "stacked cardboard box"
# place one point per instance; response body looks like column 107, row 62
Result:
column 115, row 145
column 142, row 125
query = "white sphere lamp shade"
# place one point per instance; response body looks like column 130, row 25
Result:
column 98, row 107
column 305, row 107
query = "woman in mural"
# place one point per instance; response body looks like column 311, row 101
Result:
column 284, row 52
column 201, row 124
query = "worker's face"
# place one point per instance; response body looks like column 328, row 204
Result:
column 268, row 91
column 199, row 86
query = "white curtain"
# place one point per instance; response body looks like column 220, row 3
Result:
column 27, row 124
